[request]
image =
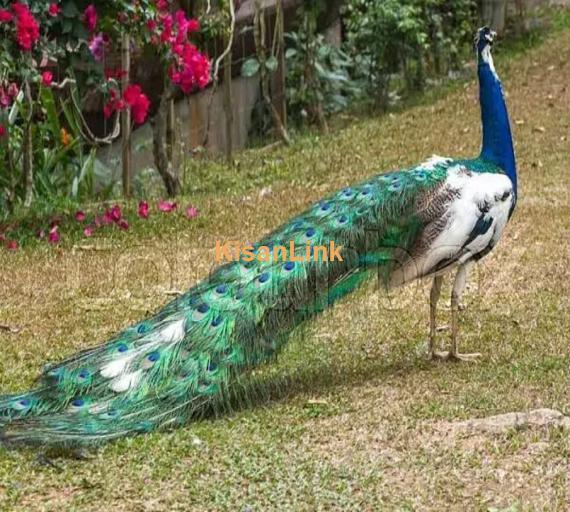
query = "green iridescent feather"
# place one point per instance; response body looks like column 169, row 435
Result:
column 182, row 361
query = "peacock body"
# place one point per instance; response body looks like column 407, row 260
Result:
column 396, row 226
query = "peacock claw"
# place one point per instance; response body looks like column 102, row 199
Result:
column 450, row 356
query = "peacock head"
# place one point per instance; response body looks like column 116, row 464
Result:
column 484, row 40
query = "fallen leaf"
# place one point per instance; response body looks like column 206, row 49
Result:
column 540, row 129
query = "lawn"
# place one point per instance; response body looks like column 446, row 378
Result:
column 353, row 416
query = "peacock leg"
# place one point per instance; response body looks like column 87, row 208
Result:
column 456, row 294
column 433, row 299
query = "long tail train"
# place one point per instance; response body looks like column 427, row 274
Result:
column 164, row 371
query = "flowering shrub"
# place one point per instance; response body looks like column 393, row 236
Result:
column 41, row 43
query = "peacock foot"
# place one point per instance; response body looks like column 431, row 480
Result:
column 451, row 356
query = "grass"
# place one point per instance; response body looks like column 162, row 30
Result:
column 360, row 424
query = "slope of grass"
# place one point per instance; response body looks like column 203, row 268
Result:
column 352, row 414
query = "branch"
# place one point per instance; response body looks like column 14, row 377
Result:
column 215, row 76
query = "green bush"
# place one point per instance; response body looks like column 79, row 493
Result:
column 415, row 38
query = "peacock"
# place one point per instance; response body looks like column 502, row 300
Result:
column 442, row 215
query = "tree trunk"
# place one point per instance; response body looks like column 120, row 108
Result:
column 161, row 160
column 493, row 14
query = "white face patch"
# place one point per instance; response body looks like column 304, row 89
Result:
column 487, row 57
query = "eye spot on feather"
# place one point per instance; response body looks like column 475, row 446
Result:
column 347, row 192
column 216, row 321
column 83, row 375
column 153, row 357
column 212, row 366
column 420, row 175
column 290, row 265
column 394, row 187
column 342, row 219
column 122, row 347
column 78, row 402
column 203, row 308
column 221, row 289
column 110, row 414
column 150, row 360
column 142, row 328
column 310, row 232
column 263, row 278
column 325, row 207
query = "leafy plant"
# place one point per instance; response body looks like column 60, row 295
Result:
column 414, row 38
column 332, row 85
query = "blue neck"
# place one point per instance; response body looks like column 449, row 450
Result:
column 497, row 138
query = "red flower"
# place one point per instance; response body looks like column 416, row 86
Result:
column 2, row 131
column 166, row 206
column 151, row 25
column 191, row 212
column 79, row 216
column 12, row 245
column 5, row 16
column 123, row 224
column 90, row 18
column 88, row 231
column 116, row 213
column 139, row 103
column 27, row 28
column 53, row 237
column 192, row 69
column 143, row 210
column 47, row 77
column 193, row 25
column 162, row 5
column 53, row 10
column 115, row 104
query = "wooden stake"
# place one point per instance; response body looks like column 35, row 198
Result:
column 126, row 115
column 228, row 103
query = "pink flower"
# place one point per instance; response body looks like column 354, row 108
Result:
column 53, row 236
column 79, row 216
column 162, row 5
column 107, row 218
column 97, row 46
column 12, row 245
column 166, row 206
column 27, row 28
column 5, row 16
column 53, row 10
column 138, row 101
column 123, row 224
column 90, row 18
column 47, row 77
column 193, row 25
column 151, row 25
column 191, row 212
column 143, row 210
column 116, row 213
column 2, row 130
column 191, row 70
column 88, row 231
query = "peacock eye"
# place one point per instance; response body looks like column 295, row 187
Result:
column 289, row 266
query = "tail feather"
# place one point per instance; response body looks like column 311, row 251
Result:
column 185, row 359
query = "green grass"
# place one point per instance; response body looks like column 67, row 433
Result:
column 353, row 416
